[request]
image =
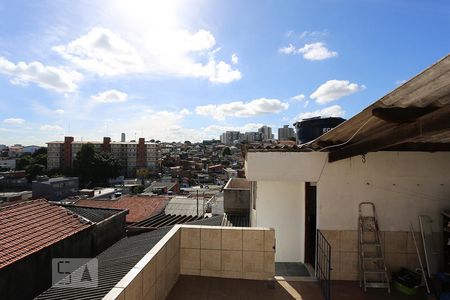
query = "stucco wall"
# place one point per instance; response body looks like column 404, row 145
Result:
column 280, row 205
column 401, row 184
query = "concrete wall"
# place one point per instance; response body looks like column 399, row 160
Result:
column 154, row 275
column 281, row 205
column 398, row 247
column 32, row 275
column 402, row 185
column 107, row 232
column 236, row 196
column 229, row 252
column 236, row 201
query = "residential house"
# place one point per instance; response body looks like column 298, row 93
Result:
column 54, row 189
column 394, row 153
column 35, row 232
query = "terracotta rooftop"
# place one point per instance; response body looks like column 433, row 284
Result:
column 30, row 226
column 140, row 207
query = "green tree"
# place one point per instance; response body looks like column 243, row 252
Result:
column 33, row 170
column 24, row 161
column 93, row 166
column 33, row 164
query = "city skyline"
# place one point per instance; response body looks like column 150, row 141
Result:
column 190, row 70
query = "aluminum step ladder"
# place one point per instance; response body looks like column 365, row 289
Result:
column 372, row 268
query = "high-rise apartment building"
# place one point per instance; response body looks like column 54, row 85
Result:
column 251, row 137
column 131, row 155
column 286, row 133
column 229, row 137
column 266, row 133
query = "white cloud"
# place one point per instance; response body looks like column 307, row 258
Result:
column 313, row 34
column 185, row 112
column 54, row 78
column 400, row 82
column 234, row 59
column 110, row 96
column 290, row 49
column 298, row 98
column 331, row 111
column 14, row 121
column 102, row 52
column 47, row 127
column 216, row 130
column 162, row 125
column 162, row 52
column 242, row 109
column 59, row 111
column 223, row 73
column 316, row 51
column 335, row 89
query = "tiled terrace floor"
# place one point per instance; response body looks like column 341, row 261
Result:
column 196, row 287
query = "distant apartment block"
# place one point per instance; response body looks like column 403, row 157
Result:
column 229, row 137
column 286, row 133
column 132, row 155
column 9, row 164
column 55, row 189
column 251, row 137
column 266, row 133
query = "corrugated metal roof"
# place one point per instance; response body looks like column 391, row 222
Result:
column 238, row 220
column 113, row 264
column 94, row 214
column 163, row 220
column 430, row 88
column 27, row 227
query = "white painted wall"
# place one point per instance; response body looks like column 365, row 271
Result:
column 281, row 205
column 298, row 166
column 402, row 185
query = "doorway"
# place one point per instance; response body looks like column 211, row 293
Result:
column 310, row 222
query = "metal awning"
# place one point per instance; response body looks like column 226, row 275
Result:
column 413, row 117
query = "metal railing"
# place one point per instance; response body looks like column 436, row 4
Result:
column 323, row 264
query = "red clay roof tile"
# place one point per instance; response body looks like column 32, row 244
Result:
column 27, row 227
column 140, row 207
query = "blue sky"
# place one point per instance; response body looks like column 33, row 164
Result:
column 178, row 70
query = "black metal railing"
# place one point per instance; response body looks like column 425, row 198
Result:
column 323, row 264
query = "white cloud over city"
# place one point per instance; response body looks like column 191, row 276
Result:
column 333, row 90
column 177, row 52
column 47, row 127
column 58, row 79
column 14, row 121
column 242, row 109
column 110, row 96
column 331, row 111
column 313, row 51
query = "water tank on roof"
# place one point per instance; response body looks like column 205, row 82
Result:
column 310, row 129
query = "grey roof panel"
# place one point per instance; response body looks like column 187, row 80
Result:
column 113, row 264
